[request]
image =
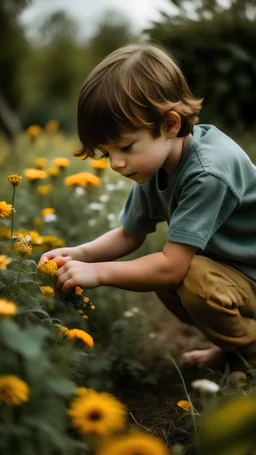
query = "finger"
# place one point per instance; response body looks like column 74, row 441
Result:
column 60, row 260
column 61, row 280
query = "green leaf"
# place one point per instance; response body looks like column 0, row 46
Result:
column 27, row 342
column 62, row 386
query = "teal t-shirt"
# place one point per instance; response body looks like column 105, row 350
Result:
column 210, row 204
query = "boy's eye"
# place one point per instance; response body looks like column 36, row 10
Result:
column 106, row 155
column 127, row 148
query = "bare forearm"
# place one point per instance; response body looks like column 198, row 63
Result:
column 111, row 246
column 147, row 273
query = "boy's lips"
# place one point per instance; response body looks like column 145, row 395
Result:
column 130, row 175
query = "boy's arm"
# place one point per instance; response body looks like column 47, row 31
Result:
column 112, row 245
column 148, row 273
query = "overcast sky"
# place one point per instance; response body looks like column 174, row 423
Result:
column 140, row 13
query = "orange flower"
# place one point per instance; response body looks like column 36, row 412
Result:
column 5, row 209
column 184, row 404
column 47, row 211
column 52, row 126
column 99, row 164
column 77, row 334
column 61, row 162
column 34, row 130
column 85, row 179
column 34, row 174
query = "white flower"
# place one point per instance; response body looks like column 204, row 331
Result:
column 128, row 314
column 152, row 335
column 50, row 217
column 95, row 206
column 120, row 184
column 204, row 385
column 104, row 198
column 92, row 222
column 79, row 191
column 111, row 216
column 135, row 309
column 110, row 187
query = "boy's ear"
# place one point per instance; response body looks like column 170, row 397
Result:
column 172, row 124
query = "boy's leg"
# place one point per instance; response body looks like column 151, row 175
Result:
column 222, row 303
column 173, row 303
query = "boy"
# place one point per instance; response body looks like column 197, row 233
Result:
column 136, row 108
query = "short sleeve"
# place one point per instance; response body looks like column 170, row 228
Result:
column 139, row 216
column 204, row 204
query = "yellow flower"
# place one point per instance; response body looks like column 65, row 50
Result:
column 64, row 330
column 81, row 391
column 4, row 261
column 40, row 162
column 14, row 179
column 47, row 291
column 97, row 413
column 134, row 444
column 99, row 164
column 51, row 126
column 44, row 189
column 13, row 391
column 47, row 211
column 38, row 222
column 61, row 162
column 85, row 179
column 77, row 334
column 184, row 404
column 47, row 268
column 53, row 171
column 51, row 241
column 34, row 174
column 5, row 232
column 35, row 238
column 5, row 209
column 7, row 308
column 22, row 245
column 34, row 131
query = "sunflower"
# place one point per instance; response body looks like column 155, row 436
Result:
column 5, row 209
column 47, row 268
column 97, row 413
column 13, row 391
column 34, row 175
column 7, row 308
column 14, row 179
column 4, row 261
column 78, row 334
column 134, row 444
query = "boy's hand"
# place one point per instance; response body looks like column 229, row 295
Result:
column 66, row 253
column 75, row 273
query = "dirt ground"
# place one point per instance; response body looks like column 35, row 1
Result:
column 153, row 409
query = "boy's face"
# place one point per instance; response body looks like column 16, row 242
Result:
column 138, row 155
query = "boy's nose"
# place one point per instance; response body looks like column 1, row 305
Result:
column 117, row 163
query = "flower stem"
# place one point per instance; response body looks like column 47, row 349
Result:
column 193, row 410
column 18, row 285
column 13, row 197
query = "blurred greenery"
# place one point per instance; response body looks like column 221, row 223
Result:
column 214, row 45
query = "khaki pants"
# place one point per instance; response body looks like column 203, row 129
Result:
column 221, row 302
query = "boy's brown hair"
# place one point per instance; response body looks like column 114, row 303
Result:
column 132, row 88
